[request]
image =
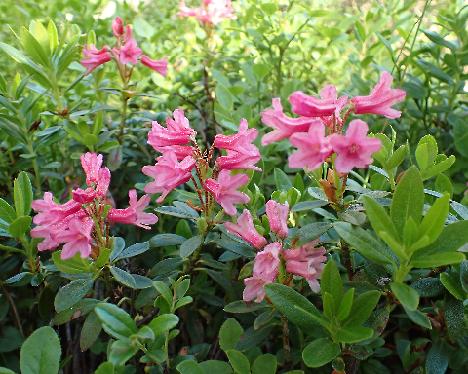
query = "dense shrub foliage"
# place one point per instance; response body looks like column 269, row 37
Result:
column 249, row 187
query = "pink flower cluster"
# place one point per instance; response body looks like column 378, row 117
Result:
column 181, row 155
column 210, row 12
column 124, row 52
column 317, row 132
column 306, row 261
column 80, row 223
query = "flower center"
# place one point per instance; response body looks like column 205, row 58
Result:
column 353, row 148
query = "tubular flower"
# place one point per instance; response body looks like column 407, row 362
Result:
column 225, row 192
column 210, row 11
column 254, row 289
column 310, row 106
column 168, row 173
column 94, row 57
column 381, row 99
column 278, row 218
column 283, row 125
column 245, row 229
column 159, row 66
column 313, row 148
column 74, row 223
column 118, row 27
column 355, row 149
column 306, row 261
column 174, row 137
column 241, row 152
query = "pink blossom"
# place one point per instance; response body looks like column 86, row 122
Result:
column 381, row 99
column 241, row 152
column 210, row 11
column 94, row 57
column 283, row 125
column 266, row 263
column 159, row 66
column 306, row 261
column 96, row 177
column 278, row 217
column 129, row 52
column 84, row 196
column 168, row 173
column 310, row 106
column 245, row 229
column 224, row 190
column 355, row 149
column 254, row 289
column 91, row 164
column 313, row 148
column 135, row 213
column 329, row 92
column 77, row 237
column 174, row 137
column 118, row 27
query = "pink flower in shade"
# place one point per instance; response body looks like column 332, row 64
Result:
column 310, row 106
column 135, row 213
column 224, row 190
column 245, row 229
column 241, row 152
column 313, row 148
column 174, row 137
column 94, row 57
column 168, row 173
column 159, row 66
column 306, row 261
column 329, row 93
column 129, row 52
column 278, row 218
column 355, row 149
column 283, row 125
column 118, row 27
column 210, row 11
column 254, row 289
column 77, row 237
column 381, row 99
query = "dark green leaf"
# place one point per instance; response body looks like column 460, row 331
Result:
column 320, row 352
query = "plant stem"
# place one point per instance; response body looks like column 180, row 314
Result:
column 346, row 256
column 286, row 344
column 37, row 174
column 13, row 308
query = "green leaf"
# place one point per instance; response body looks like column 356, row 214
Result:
column 353, row 334
column 294, row 306
column 145, row 334
column 346, row 304
column 164, row 290
column 320, row 352
column 115, row 321
column 73, row 265
column 229, row 334
column 22, row 194
column 426, row 152
column 223, row 96
column 397, row 157
column 408, row 199
column 180, row 211
column 90, row 331
column 451, row 282
column 7, row 212
column 419, row 318
column 105, row 368
column 407, row 295
column 4, row 370
column 437, row 359
column 425, row 260
column 265, row 364
column 282, row 181
column 164, row 240
column 53, row 35
column 464, row 275
column 379, row 219
column 123, row 277
column 434, row 220
column 121, row 351
column 133, row 250
column 215, row 366
column 20, row 226
column 40, row 353
column 362, row 308
column 163, row 323
column 189, row 367
column 239, row 362
column 190, row 246
column 312, row 231
column 330, row 281
column 440, row 40
column 71, row 293
column 118, row 246
column 438, row 168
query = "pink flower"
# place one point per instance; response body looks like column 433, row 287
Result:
column 381, row 99
column 309, row 106
column 306, row 261
column 91, row 164
column 96, row 177
column 135, row 213
column 313, row 148
column 241, row 152
column 174, row 137
column 254, row 289
column 245, row 229
column 355, row 149
column 210, row 11
column 84, row 196
column 77, row 237
column 329, row 92
column 168, row 173
column 157, row 65
column 278, row 218
column 118, row 27
column 283, row 125
column 129, row 52
column 267, row 262
column 94, row 57
column 224, row 190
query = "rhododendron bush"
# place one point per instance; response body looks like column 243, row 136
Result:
column 280, row 188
